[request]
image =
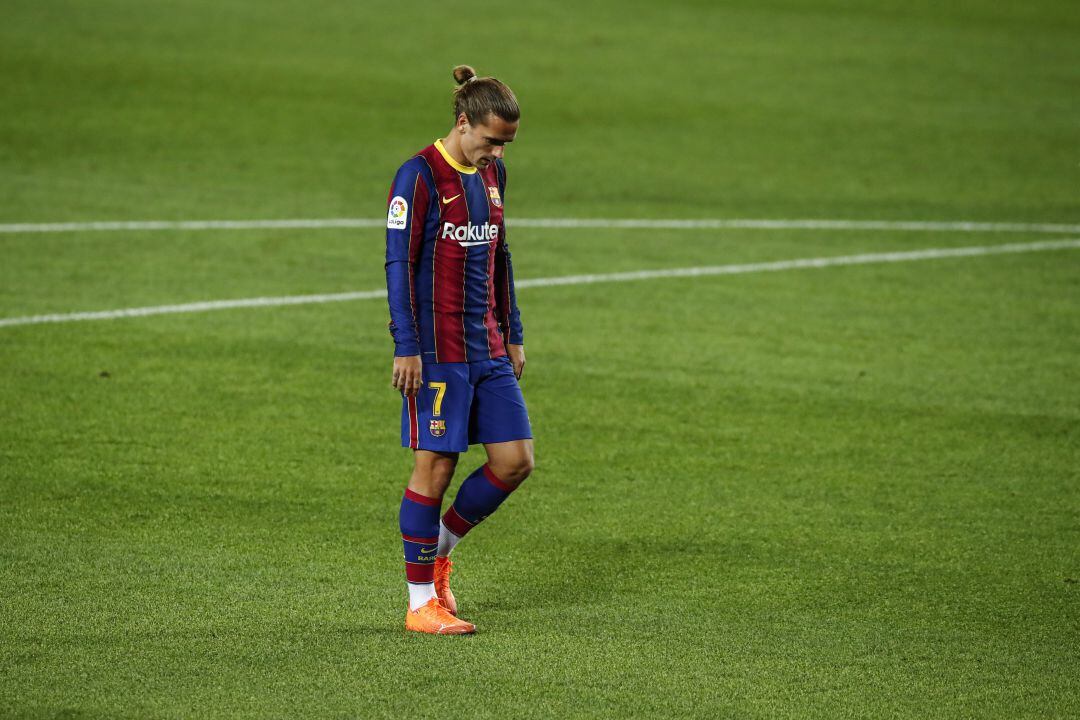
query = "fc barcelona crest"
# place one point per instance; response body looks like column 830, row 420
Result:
column 437, row 428
column 493, row 193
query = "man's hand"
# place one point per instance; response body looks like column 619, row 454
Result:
column 407, row 374
column 517, row 358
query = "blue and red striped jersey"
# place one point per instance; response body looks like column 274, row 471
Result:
column 449, row 280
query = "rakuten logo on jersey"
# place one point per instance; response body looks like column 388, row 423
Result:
column 470, row 234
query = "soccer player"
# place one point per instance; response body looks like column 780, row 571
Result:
column 458, row 346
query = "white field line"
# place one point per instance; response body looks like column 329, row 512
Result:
column 821, row 262
column 569, row 223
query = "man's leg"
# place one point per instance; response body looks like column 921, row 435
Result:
column 498, row 420
column 434, row 423
column 509, row 463
column 419, row 521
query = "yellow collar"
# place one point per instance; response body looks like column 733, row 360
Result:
column 453, row 163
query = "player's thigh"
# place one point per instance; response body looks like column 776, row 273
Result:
column 437, row 418
column 498, row 411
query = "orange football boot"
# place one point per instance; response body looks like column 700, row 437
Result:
column 433, row 618
column 443, row 567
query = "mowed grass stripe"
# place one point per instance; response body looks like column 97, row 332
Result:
column 738, row 269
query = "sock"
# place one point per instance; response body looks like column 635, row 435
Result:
column 419, row 521
column 447, row 540
column 420, row 594
column 479, row 496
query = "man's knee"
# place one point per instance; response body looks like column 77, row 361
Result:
column 513, row 467
column 432, row 473
column 525, row 465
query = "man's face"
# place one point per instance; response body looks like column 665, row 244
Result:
column 482, row 143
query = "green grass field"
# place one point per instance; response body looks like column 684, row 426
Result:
column 815, row 493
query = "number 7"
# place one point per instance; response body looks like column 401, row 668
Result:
column 440, row 391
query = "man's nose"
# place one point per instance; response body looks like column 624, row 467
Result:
column 497, row 151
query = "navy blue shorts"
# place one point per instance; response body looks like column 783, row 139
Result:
column 462, row 404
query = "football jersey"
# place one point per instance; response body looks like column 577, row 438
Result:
column 449, row 280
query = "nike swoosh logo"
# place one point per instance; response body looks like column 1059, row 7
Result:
column 425, row 551
column 463, row 243
column 447, row 201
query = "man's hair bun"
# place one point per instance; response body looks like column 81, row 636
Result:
column 478, row 97
column 463, row 74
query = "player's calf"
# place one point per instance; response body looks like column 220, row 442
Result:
column 480, row 495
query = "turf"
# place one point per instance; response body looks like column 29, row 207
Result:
column 841, row 492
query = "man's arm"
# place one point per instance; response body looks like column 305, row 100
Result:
column 506, row 310
column 407, row 207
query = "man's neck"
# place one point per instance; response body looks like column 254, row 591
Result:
column 452, row 144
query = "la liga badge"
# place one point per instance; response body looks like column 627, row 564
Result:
column 437, row 428
column 397, row 214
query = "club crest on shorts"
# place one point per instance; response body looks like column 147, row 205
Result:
column 437, row 428
column 493, row 193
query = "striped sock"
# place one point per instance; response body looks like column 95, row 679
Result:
column 419, row 522
column 479, row 496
